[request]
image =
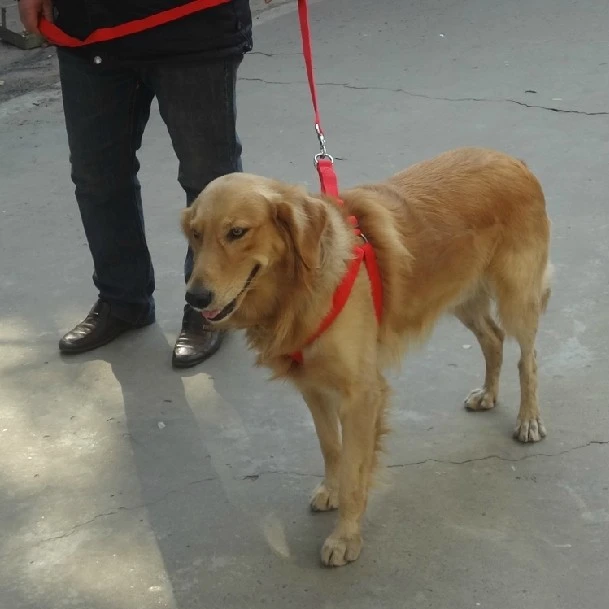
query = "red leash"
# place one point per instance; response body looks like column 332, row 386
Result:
column 58, row 37
column 324, row 163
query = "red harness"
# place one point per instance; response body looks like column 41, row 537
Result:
column 363, row 252
column 324, row 163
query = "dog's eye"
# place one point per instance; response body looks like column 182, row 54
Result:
column 196, row 235
column 236, row 233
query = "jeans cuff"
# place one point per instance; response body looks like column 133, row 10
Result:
column 135, row 314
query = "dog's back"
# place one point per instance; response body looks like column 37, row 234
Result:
column 471, row 221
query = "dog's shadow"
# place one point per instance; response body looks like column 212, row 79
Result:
column 275, row 453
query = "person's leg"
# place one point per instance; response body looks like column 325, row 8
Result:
column 106, row 109
column 197, row 103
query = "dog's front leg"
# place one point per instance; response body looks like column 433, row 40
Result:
column 325, row 417
column 358, row 417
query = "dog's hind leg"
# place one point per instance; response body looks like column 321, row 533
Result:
column 530, row 427
column 520, row 304
column 381, row 426
column 475, row 314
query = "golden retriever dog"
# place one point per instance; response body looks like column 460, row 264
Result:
column 464, row 233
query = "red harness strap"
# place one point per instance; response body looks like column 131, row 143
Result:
column 324, row 164
column 58, row 37
column 343, row 291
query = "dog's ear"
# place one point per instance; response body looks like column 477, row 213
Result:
column 186, row 219
column 302, row 224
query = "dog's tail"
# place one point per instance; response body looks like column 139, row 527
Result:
column 546, row 286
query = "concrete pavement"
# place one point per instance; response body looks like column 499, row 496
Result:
column 126, row 485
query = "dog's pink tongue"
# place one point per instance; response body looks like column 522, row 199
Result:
column 210, row 314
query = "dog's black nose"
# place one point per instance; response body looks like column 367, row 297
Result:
column 199, row 297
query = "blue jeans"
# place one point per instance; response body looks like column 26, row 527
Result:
column 106, row 109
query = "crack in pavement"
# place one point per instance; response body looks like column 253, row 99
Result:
column 497, row 100
column 124, row 509
column 254, row 477
column 279, row 472
column 267, row 54
column 500, row 458
column 442, row 461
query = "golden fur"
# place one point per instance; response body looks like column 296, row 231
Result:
column 452, row 235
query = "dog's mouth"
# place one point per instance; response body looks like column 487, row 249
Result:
column 218, row 315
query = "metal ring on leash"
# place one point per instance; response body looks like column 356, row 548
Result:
column 323, row 155
column 323, row 151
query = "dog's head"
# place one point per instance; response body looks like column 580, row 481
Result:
column 255, row 241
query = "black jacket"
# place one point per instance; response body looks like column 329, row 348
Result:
column 221, row 31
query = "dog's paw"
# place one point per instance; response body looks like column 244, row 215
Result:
column 530, row 430
column 338, row 551
column 324, row 499
column 480, row 399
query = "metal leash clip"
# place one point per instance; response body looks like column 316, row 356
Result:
column 323, row 152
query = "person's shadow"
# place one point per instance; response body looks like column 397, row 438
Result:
column 189, row 470
column 184, row 496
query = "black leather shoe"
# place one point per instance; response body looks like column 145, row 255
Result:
column 98, row 328
column 197, row 340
